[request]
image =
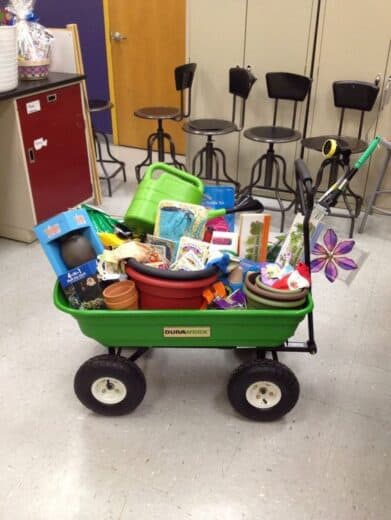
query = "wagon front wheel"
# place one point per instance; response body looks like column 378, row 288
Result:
column 263, row 390
column 110, row 385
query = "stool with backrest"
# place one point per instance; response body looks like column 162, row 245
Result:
column 348, row 95
column 184, row 75
column 207, row 161
column 268, row 173
column 100, row 105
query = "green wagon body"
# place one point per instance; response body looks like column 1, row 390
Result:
column 186, row 328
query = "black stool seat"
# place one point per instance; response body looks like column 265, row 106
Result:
column 209, row 127
column 348, row 95
column 158, row 112
column 355, row 144
column 269, row 171
column 272, row 134
column 210, row 161
column 98, row 105
column 160, row 139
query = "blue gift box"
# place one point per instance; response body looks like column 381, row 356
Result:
column 51, row 230
column 217, row 197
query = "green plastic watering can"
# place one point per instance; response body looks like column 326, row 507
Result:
column 172, row 183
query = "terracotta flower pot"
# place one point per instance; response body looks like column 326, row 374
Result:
column 121, row 295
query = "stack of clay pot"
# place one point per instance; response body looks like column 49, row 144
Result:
column 262, row 296
column 121, row 296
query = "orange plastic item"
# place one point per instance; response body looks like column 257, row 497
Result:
column 216, row 290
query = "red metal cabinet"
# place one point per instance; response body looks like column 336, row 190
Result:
column 53, row 133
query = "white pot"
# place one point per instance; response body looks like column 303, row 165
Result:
column 8, row 58
column 7, row 33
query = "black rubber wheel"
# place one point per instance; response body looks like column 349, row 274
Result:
column 263, row 390
column 110, row 385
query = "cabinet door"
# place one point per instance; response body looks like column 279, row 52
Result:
column 279, row 38
column 354, row 46
column 53, row 131
column 216, row 43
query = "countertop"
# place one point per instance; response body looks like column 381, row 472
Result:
column 55, row 79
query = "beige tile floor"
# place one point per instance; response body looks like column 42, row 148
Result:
column 184, row 454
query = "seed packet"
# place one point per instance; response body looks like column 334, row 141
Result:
column 169, row 245
column 198, row 247
column 156, row 254
column 189, row 261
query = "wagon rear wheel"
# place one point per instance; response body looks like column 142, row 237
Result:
column 110, row 385
column 263, row 390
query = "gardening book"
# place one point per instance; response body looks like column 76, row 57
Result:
column 292, row 248
column 254, row 236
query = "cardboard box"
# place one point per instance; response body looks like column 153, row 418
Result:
column 51, row 230
column 82, row 287
column 80, row 284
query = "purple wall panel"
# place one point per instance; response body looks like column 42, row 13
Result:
column 88, row 15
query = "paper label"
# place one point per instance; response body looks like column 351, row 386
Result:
column 40, row 143
column 33, row 106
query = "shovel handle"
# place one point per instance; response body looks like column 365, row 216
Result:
column 213, row 213
column 368, row 152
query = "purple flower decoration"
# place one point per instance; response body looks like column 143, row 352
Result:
column 331, row 256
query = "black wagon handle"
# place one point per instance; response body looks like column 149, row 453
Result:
column 304, row 187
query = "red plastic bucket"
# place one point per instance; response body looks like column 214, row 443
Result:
column 158, row 293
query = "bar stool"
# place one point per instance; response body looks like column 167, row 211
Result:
column 99, row 105
column 378, row 187
column 355, row 95
column 184, row 75
column 206, row 162
column 269, row 170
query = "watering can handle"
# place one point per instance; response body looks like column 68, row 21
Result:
column 174, row 171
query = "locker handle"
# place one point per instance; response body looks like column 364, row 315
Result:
column 31, row 155
column 51, row 98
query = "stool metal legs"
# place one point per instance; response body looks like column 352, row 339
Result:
column 269, row 173
column 112, row 160
column 372, row 199
column 212, row 157
column 158, row 137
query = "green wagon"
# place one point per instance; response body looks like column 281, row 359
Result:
column 113, row 384
column 262, row 389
